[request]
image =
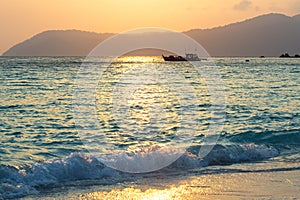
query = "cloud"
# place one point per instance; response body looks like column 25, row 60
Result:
column 243, row 5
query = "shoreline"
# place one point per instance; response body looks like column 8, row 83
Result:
column 250, row 185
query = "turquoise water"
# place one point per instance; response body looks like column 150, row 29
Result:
column 40, row 143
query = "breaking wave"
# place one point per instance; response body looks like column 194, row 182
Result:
column 16, row 182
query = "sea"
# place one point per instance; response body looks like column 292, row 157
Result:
column 143, row 108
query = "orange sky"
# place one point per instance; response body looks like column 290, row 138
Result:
column 21, row 19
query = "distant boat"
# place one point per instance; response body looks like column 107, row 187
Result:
column 173, row 58
column 188, row 57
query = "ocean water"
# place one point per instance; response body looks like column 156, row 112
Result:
column 43, row 147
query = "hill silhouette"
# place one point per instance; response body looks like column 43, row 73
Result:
column 58, row 43
column 268, row 35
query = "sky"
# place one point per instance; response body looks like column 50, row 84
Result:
column 22, row 19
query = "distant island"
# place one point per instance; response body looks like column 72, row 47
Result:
column 267, row 35
column 286, row 55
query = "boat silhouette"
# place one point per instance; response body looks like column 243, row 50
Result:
column 188, row 57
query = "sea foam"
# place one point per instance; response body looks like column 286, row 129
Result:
column 80, row 167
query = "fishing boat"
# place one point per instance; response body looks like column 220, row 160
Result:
column 188, row 57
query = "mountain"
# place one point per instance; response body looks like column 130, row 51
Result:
column 296, row 17
column 58, row 43
column 268, row 35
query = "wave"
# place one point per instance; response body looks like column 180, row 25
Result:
column 16, row 182
column 284, row 140
column 225, row 155
column 20, row 182
column 243, row 147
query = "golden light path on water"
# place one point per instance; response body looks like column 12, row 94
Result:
column 39, row 138
column 154, row 111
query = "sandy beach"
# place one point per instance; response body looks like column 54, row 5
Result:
column 250, row 185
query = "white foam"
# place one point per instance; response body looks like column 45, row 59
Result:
column 17, row 183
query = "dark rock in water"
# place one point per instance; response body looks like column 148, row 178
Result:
column 286, row 55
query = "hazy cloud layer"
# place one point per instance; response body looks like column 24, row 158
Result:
column 296, row 6
column 243, row 5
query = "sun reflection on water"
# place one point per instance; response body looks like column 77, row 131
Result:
column 152, row 110
column 138, row 59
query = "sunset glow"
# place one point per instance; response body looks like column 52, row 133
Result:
column 22, row 19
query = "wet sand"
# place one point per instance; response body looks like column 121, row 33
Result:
column 263, row 185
